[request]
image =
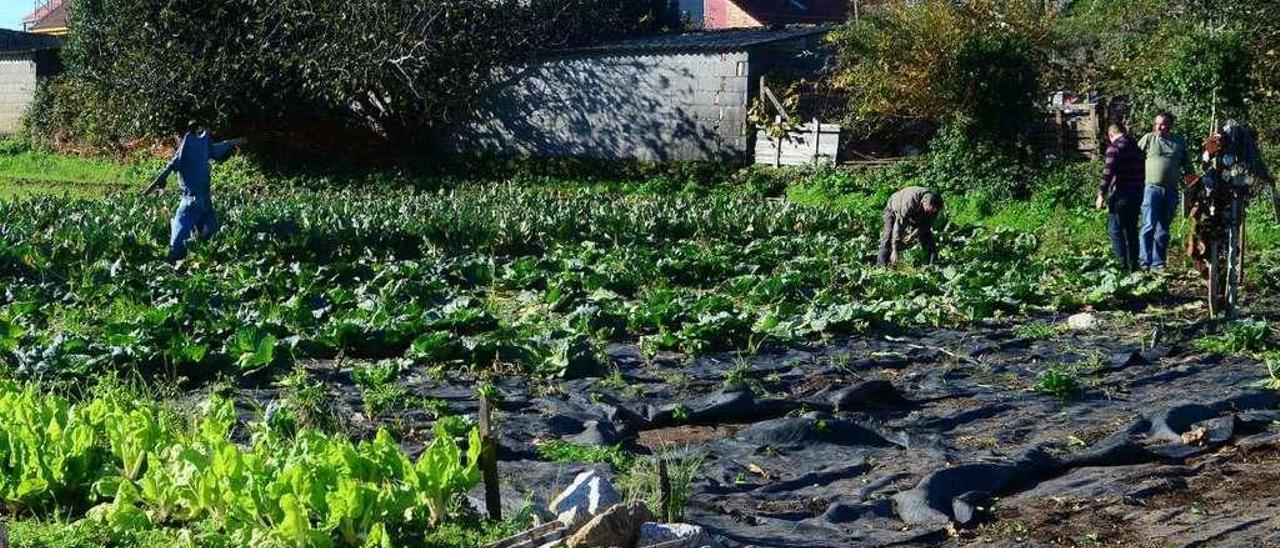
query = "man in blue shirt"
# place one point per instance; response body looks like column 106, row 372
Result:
column 195, row 211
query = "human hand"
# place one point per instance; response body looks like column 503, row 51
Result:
column 1097, row 203
column 893, row 258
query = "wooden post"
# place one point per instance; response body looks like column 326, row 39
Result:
column 4, row 535
column 777, row 144
column 817, row 134
column 489, row 461
column 664, row 492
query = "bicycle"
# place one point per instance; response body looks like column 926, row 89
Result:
column 1217, row 201
column 1217, row 206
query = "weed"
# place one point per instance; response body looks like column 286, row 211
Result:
column 614, row 379
column 1059, row 383
column 1036, row 331
column 1240, row 337
column 740, row 376
column 1271, row 360
column 374, row 374
column 303, row 403
column 390, row 398
column 680, row 413
column 641, row 483
column 563, row 451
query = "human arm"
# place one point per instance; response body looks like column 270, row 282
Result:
column 162, row 178
column 927, row 242
column 1108, row 183
column 220, row 151
column 1188, row 168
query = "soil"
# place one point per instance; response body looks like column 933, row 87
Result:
column 918, row 437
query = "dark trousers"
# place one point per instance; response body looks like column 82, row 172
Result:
column 924, row 233
column 886, row 239
column 1122, row 224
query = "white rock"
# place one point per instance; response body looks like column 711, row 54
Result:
column 588, row 495
column 1083, row 321
column 692, row 536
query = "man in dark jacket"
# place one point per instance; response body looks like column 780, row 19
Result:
column 915, row 208
column 1121, row 190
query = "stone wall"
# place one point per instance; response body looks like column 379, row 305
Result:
column 647, row 107
column 17, row 88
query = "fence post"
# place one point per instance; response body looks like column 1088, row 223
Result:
column 777, row 144
column 664, row 491
column 817, row 134
column 488, row 460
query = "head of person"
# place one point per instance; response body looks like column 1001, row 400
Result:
column 1116, row 131
column 931, row 203
column 195, row 127
column 1163, row 124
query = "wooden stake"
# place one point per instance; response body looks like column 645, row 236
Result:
column 488, row 461
column 664, row 492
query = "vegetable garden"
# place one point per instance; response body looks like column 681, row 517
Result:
column 534, row 278
column 324, row 352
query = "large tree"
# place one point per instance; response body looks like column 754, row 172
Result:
column 387, row 69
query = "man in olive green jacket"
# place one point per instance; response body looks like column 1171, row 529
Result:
column 1167, row 160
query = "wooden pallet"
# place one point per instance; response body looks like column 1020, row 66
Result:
column 532, row 538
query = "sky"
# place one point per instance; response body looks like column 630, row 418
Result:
column 11, row 12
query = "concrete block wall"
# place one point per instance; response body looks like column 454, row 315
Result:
column 654, row 108
column 17, row 89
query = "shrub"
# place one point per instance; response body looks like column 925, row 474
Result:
column 936, row 62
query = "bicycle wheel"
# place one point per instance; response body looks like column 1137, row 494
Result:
column 1238, row 290
column 1215, row 287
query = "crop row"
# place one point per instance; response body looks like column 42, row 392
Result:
column 537, row 277
column 132, row 467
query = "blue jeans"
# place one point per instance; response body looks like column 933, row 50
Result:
column 1122, row 224
column 195, row 214
column 1158, row 206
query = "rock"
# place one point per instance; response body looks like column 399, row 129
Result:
column 617, row 526
column 692, row 536
column 588, row 495
column 1083, row 321
column 1195, row 436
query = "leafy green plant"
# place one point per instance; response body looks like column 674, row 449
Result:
column 306, row 489
column 563, row 451
column 1238, row 337
column 1059, row 383
column 253, row 349
column 376, row 374
column 1271, row 361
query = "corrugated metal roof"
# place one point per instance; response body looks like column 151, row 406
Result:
column 14, row 41
column 703, row 40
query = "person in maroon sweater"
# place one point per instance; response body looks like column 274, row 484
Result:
column 1121, row 191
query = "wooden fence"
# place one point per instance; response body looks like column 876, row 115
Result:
column 1072, row 131
column 809, row 144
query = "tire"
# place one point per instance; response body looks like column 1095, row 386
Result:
column 1215, row 285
